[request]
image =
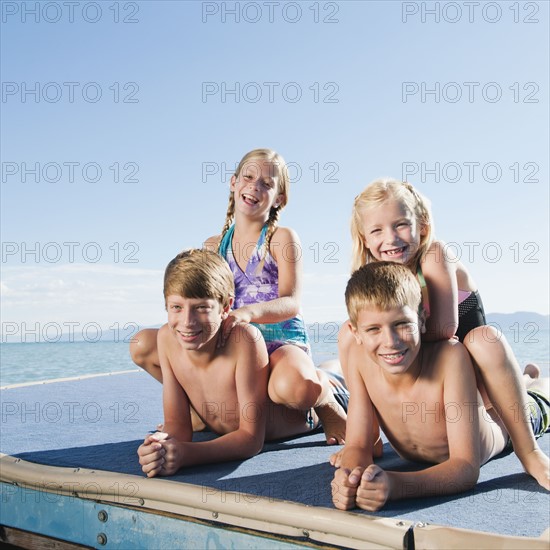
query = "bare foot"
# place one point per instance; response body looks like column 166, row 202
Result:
column 331, row 414
column 537, row 464
column 333, row 418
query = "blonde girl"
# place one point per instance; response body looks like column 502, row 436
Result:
column 265, row 259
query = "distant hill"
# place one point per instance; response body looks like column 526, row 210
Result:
column 520, row 318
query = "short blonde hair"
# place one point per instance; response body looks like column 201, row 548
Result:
column 384, row 285
column 199, row 273
column 376, row 193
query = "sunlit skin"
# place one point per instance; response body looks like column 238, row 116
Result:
column 255, row 190
column 391, row 232
column 409, row 387
column 294, row 380
column 194, row 322
column 227, row 386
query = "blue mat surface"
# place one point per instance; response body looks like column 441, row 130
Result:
column 99, row 422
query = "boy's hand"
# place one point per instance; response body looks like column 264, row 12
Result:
column 374, row 488
column 344, row 487
column 173, row 454
column 151, row 455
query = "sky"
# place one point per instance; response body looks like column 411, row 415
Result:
column 121, row 123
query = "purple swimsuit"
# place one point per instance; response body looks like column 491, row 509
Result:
column 259, row 283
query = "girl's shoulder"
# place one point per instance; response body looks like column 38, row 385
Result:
column 286, row 234
column 438, row 254
column 212, row 243
column 284, row 244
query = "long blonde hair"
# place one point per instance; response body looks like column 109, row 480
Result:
column 276, row 160
column 376, row 193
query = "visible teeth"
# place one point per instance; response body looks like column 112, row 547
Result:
column 393, row 355
column 393, row 252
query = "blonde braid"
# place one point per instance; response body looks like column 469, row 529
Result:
column 272, row 223
column 228, row 218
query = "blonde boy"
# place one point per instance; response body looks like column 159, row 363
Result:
column 226, row 386
column 423, row 396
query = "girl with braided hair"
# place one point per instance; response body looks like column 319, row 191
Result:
column 265, row 259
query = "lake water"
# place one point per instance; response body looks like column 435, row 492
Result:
column 29, row 362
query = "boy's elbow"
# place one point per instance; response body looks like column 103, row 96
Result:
column 252, row 449
column 470, row 475
column 251, row 445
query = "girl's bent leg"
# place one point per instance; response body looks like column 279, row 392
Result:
column 501, row 376
column 293, row 381
column 296, row 383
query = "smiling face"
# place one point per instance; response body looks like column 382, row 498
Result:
column 195, row 322
column 256, row 188
column 390, row 337
column 391, row 233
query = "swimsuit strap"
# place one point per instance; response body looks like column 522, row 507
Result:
column 424, row 289
column 225, row 243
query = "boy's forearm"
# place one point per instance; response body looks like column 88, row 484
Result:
column 237, row 445
column 450, row 477
column 354, row 456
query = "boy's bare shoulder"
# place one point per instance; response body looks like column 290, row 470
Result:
column 163, row 332
column 165, row 342
column 246, row 337
column 444, row 356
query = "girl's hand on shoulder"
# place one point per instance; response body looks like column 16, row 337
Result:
column 235, row 317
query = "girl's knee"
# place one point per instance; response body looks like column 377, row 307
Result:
column 484, row 339
column 294, row 391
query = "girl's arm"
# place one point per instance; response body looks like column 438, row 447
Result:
column 439, row 270
column 287, row 252
column 251, row 374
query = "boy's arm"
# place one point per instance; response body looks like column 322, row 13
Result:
column 177, row 417
column 358, row 450
column 439, row 271
column 461, row 470
column 251, row 374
